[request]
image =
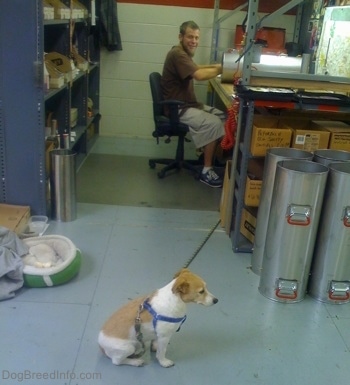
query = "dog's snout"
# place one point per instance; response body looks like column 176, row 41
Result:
column 215, row 300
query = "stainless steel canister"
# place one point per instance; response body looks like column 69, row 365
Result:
column 328, row 156
column 294, row 216
column 273, row 156
column 330, row 272
column 230, row 66
column 63, row 185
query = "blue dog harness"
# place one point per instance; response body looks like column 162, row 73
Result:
column 158, row 317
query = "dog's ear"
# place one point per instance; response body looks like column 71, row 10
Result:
column 181, row 286
column 181, row 272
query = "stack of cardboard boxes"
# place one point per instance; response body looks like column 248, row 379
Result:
column 302, row 133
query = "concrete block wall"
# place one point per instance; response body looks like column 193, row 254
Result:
column 147, row 33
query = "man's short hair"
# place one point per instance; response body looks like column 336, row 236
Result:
column 188, row 24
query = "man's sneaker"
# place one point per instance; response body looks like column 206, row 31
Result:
column 211, row 178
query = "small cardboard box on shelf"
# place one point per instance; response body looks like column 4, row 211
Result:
column 339, row 133
column 248, row 223
column 63, row 64
column 61, row 10
column 56, row 78
column 79, row 11
column 49, row 11
column 254, row 182
column 307, row 136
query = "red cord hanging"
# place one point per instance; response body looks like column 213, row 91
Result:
column 228, row 140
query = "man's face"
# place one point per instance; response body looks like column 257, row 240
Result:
column 189, row 40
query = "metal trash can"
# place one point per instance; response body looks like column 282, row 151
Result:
column 330, row 270
column 328, row 156
column 63, row 185
column 294, row 216
column 273, row 156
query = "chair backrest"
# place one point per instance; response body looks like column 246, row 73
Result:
column 157, row 96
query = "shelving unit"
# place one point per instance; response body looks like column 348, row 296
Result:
column 247, row 107
column 252, row 21
column 241, row 154
column 25, row 105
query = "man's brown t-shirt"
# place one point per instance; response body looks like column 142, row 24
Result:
column 177, row 80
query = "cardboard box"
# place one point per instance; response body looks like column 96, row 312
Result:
column 269, row 132
column 49, row 11
column 310, row 140
column 61, row 10
column 56, row 77
column 49, row 146
column 254, row 182
column 224, row 214
column 248, row 224
column 14, row 217
column 63, row 64
column 339, row 133
column 79, row 11
column 306, row 136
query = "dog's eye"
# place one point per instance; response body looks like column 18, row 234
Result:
column 202, row 291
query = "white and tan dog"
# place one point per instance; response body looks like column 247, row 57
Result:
column 152, row 318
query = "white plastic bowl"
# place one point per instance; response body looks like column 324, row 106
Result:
column 37, row 223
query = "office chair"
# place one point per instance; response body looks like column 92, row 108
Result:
column 169, row 126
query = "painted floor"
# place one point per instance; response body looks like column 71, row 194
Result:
column 49, row 335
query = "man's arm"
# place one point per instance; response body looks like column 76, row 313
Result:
column 206, row 72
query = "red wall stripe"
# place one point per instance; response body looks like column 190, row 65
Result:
column 265, row 6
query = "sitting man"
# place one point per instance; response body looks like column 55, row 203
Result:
column 206, row 123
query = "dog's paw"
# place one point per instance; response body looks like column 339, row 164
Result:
column 166, row 363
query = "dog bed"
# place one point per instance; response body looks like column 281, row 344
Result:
column 52, row 260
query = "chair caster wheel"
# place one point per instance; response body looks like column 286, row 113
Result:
column 161, row 174
column 152, row 164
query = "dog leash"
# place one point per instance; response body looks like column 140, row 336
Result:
column 200, row 247
column 138, row 332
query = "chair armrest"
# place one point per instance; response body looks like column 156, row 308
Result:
column 173, row 106
column 172, row 102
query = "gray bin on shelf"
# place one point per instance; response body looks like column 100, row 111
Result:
column 330, row 272
column 63, row 185
column 293, row 221
column 273, row 156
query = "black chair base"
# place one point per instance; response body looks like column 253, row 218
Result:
column 171, row 164
column 179, row 162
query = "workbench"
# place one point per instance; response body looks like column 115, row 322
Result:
column 225, row 91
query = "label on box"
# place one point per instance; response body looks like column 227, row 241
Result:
column 300, row 139
column 252, row 192
column 249, row 227
column 340, row 138
column 309, row 142
column 267, row 137
column 248, row 224
column 263, row 139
